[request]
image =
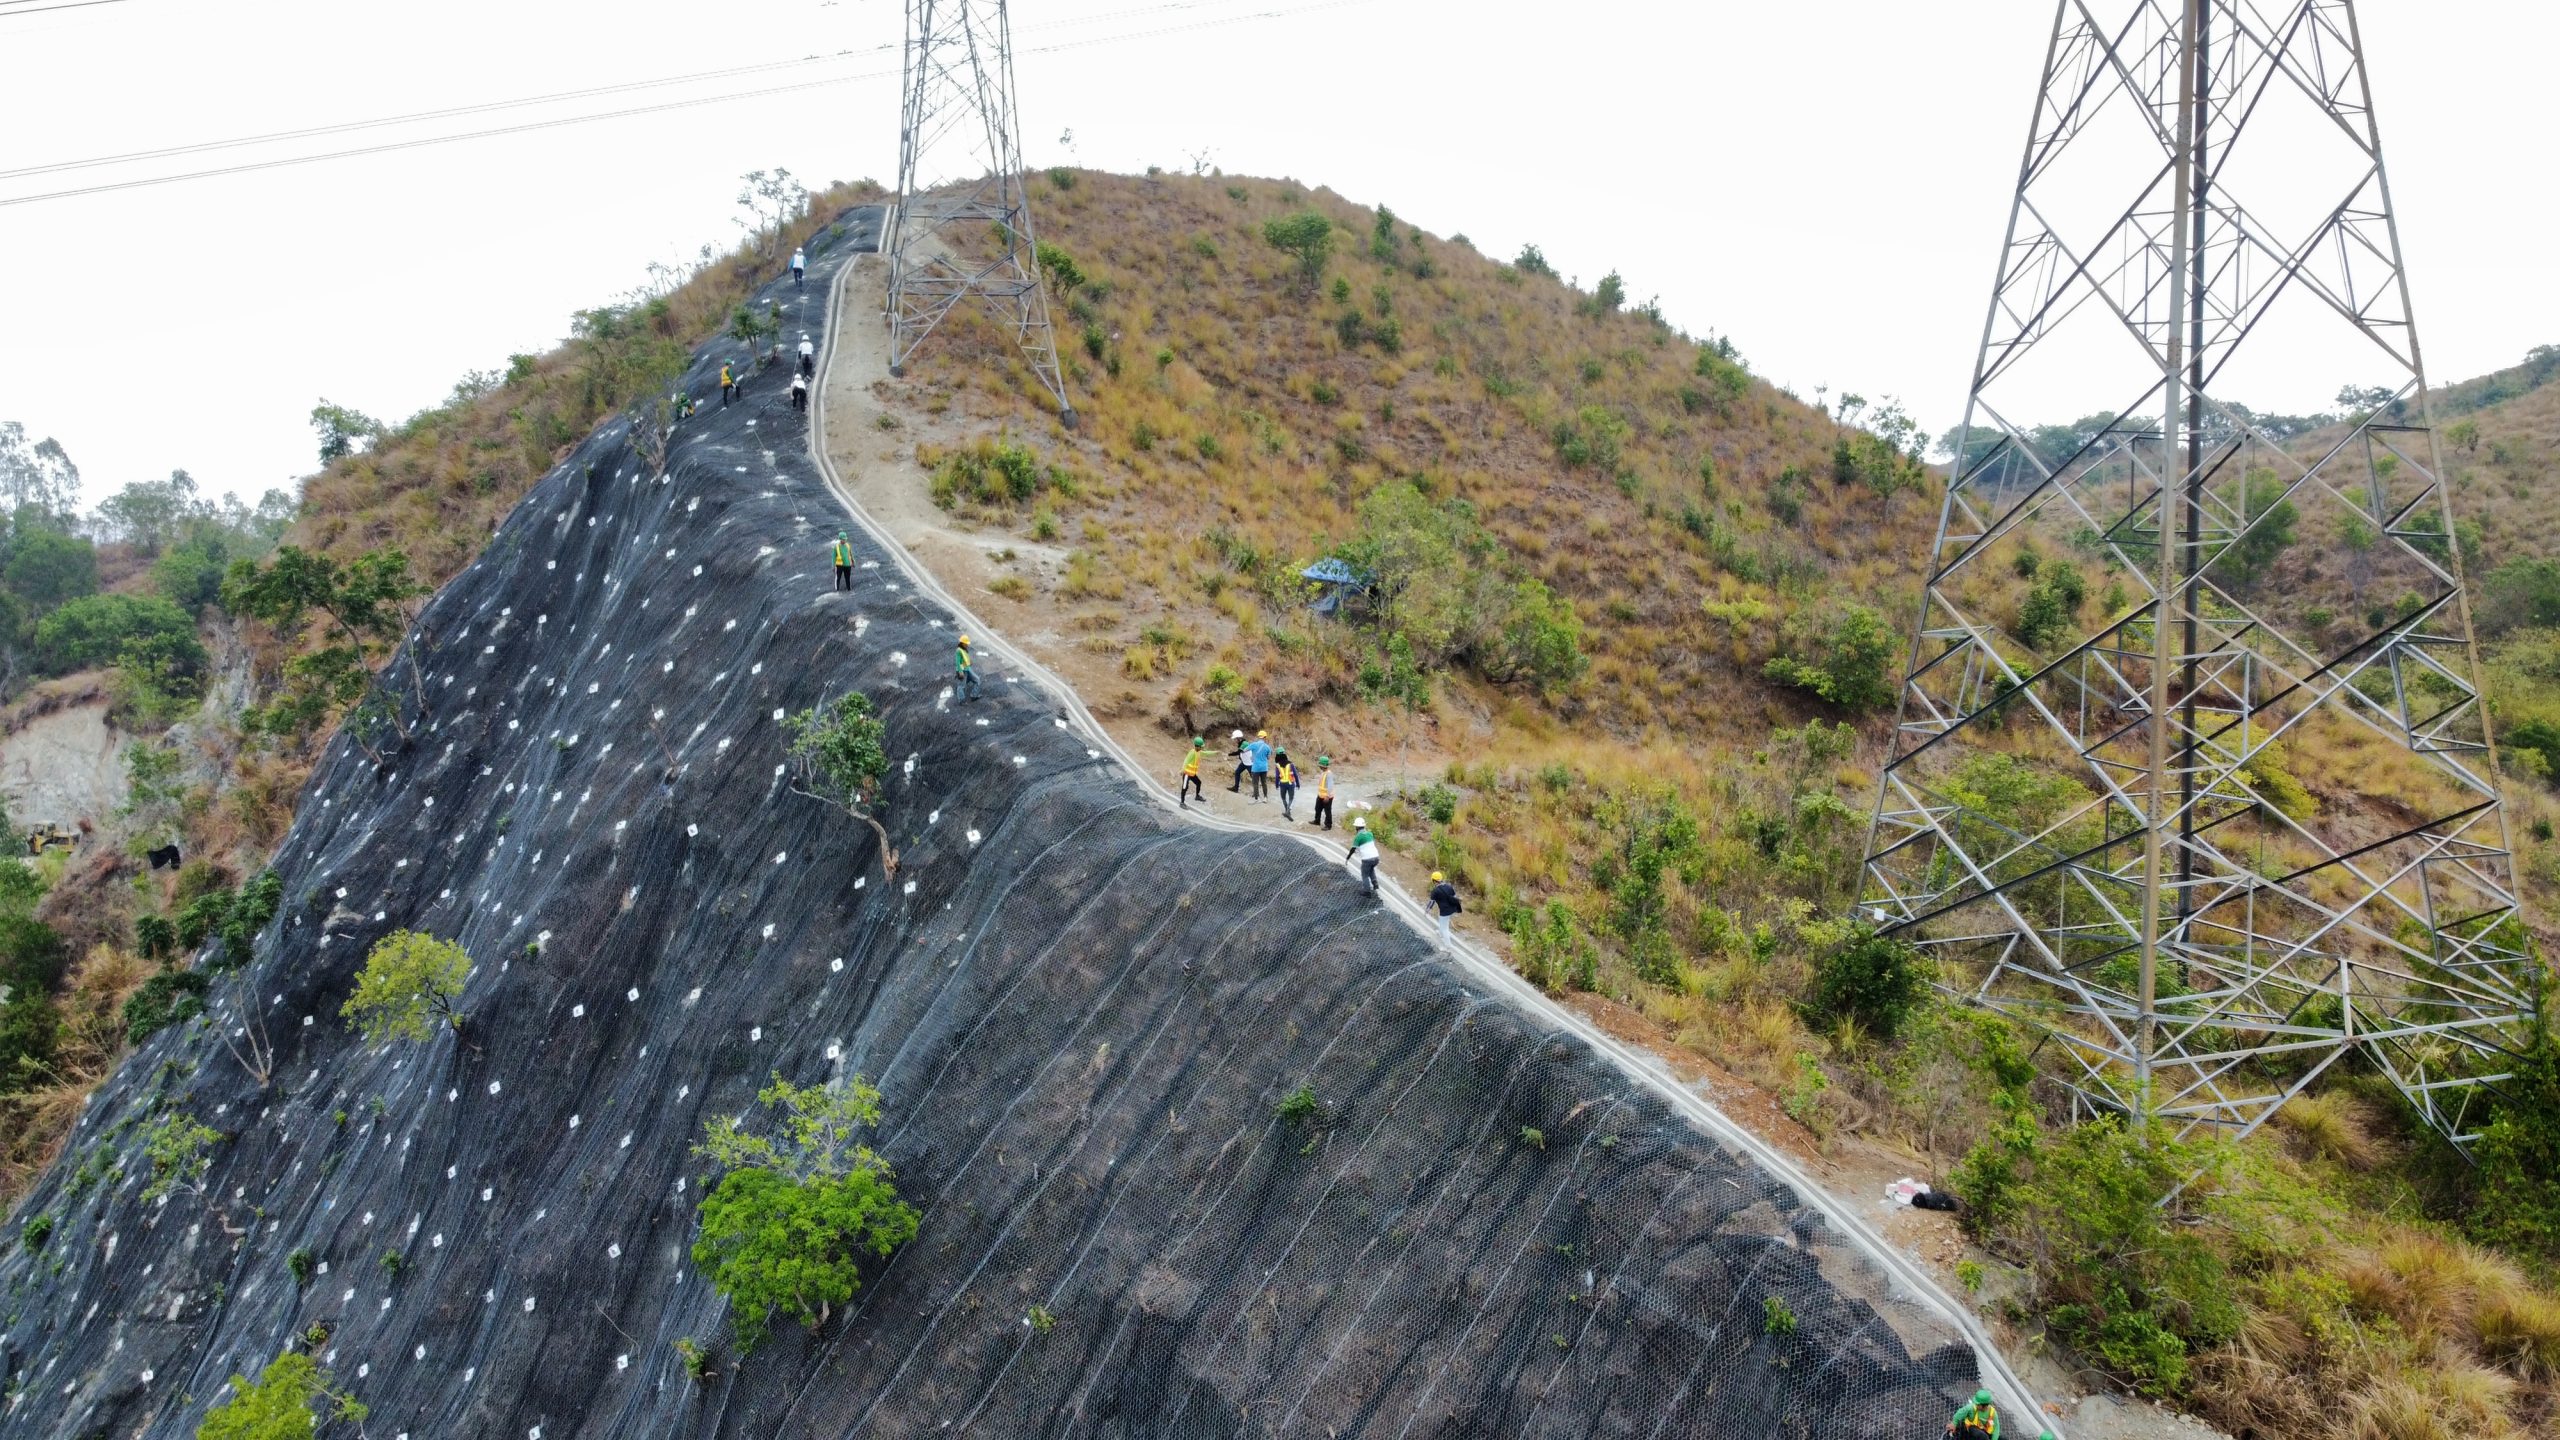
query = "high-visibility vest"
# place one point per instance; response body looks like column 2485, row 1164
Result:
column 1191, row 763
column 844, row 554
column 1287, row 774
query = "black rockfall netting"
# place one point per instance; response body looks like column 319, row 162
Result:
column 1083, row 1013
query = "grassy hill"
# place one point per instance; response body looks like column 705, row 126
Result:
column 1668, row 827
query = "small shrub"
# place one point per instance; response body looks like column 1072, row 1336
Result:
column 1297, row 1107
column 1440, row 803
column 33, row 1235
column 1877, row 981
column 1533, row 1137
column 1061, row 178
column 301, row 1264
column 1039, row 1318
column 1776, row 1320
column 697, row 1363
column 1011, row 587
column 171, row 997
column 393, row 1262
column 291, row 1399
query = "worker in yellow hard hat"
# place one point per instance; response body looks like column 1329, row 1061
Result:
column 964, row 676
column 1444, row 904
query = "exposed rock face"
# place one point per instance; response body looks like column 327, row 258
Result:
column 1082, row 1012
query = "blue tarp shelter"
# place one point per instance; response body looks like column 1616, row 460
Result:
column 1338, row 580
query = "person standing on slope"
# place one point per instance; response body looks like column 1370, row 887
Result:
column 1444, row 903
column 1284, row 778
column 1244, row 763
column 799, row 266
column 728, row 383
column 1324, row 792
column 842, row 554
column 964, row 675
column 1977, row 1420
column 1257, row 752
column 800, row 392
column 1187, row 789
column 1364, row 848
column 808, row 356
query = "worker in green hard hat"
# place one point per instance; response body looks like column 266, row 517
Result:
column 1979, row 1419
column 842, row 554
column 1188, row 788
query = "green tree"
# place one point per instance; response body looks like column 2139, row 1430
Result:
column 1611, row 294
column 410, row 983
column 787, row 1227
column 36, row 476
column 293, row 1398
column 362, row 608
column 1540, row 641
column 98, row 629
column 148, row 514
column 840, row 752
column 2268, row 531
column 1307, row 235
column 343, row 431
column 48, row 567
column 189, row 574
column 1842, row 653
column 2464, row 435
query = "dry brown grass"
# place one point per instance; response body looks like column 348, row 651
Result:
column 35, row 1122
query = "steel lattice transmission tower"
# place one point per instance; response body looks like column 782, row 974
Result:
column 2141, row 632
column 963, row 222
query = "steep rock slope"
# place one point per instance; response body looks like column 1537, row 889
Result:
column 1082, row 1014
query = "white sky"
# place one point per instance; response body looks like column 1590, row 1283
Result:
column 1825, row 182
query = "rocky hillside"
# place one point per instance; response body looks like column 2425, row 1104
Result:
column 1200, row 1140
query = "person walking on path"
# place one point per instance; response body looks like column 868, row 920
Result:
column 1324, row 792
column 728, row 383
column 1284, row 778
column 964, row 675
column 799, row 266
column 799, row 392
column 1364, row 848
column 1188, row 788
column 1257, row 752
column 842, row 554
column 808, row 356
column 1444, row 903
column 1244, row 763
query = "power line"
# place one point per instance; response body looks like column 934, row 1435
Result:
column 485, row 107
column 531, row 126
column 341, row 127
column 7, row 14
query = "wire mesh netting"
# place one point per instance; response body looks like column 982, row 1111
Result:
column 1087, row 1019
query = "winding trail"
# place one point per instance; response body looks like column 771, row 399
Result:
column 1911, row 1283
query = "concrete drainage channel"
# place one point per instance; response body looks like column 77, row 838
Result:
column 1911, row 1283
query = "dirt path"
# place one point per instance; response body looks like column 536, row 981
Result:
column 872, row 425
